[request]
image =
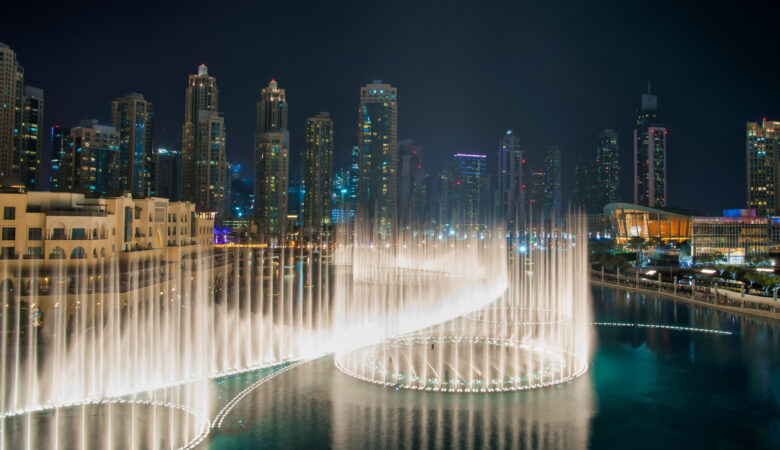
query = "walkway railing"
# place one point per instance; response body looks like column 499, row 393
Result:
column 708, row 295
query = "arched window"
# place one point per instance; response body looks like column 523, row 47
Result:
column 102, row 253
column 78, row 253
column 94, row 253
column 57, row 253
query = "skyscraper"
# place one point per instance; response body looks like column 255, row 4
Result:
column 762, row 146
column 511, row 195
column 61, row 154
column 470, row 190
column 11, row 94
column 318, row 171
column 93, row 166
column 378, row 144
column 412, row 187
column 607, row 170
column 210, row 164
column 21, row 122
column 132, row 115
column 31, row 138
column 201, row 95
column 272, row 148
column 649, row 154
column 168, row 174
column 552, row 169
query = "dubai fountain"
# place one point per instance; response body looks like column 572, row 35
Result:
column 128, row 354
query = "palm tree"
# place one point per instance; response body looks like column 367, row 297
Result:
column 638, row 243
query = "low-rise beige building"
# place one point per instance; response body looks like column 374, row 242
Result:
column 44, row 226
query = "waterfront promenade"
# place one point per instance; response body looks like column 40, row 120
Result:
column 707, row 296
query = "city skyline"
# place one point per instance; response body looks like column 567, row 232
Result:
column 530, row 95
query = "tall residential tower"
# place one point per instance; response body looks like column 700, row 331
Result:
column 21, row 122
column 378, row 146
column 649, row 155
column 272, row 149
column 511, row 194
column 318, row 172
column 204, row 163
column 131, row 115
column 762, row 146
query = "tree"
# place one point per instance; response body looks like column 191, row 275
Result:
column 638, row 243
column 656, row 242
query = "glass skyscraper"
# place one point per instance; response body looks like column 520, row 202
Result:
column 318, row 171
column 132, row 115
column 378, row 146
column 762, row 144
column 649, row 155
column 272, row 149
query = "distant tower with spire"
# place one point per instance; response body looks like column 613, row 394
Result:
column 650, row 139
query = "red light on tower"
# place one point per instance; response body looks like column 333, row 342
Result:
column 665, row 131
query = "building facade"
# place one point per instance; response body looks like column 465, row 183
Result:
column 49, row 226
column 318, row 172
column 649, row 155
column 201, row 99
column 607, row 169
column 731, row 238
column 272, row 153
column 93, row 162
column 412, row 186
column 470, row 190
column 511, row 191
column 21, row 122
column 553, row 180
column 762, row 150
column 61, row 153
column 640, row 221
column 378, row 146
column 132, row 116
column 210, row 177
column 31, row 138
column 168, row 174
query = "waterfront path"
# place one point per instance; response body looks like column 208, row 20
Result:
column 707, row 296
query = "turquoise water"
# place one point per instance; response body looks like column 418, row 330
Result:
column 646, row 388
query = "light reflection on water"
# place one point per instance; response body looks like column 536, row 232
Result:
column 647, row 388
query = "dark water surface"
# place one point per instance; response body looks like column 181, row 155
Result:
column 646, row 388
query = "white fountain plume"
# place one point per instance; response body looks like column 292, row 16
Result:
column 533, row 335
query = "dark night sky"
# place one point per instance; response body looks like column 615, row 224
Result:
column 555, row 72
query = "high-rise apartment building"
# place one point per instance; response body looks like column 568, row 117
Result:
column 132, row 115
column 378, row 144
column 201, row 100
column 649, row 155
column 412, row 189
column 470, row 190
column 93, row 165
column 11, row 94
column 272, row 149
column 61, row 163
column 210, row 177
column 318, row 171
column 762, row 147
column 552, row 169
column 21, row 122
column 511, row 194
column 168, row 174
column 607, row 168
column 31, row 138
